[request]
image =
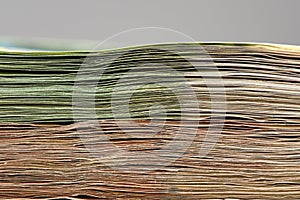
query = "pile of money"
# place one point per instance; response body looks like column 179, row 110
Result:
column 181, row 120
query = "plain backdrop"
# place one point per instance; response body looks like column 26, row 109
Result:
column 274, row 21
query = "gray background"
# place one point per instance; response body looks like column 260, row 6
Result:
column 274, row 21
